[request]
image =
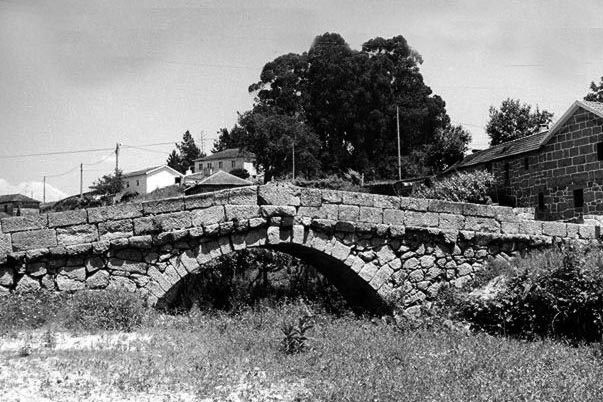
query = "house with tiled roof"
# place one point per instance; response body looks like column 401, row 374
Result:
column 144, row 181
column 218, row 181
column 558, row 171
column 18, row 204
column 227, row 161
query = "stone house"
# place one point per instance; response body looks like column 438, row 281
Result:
column 147, row 180
column 227, row 161
column 18, row 204
column 557, row 171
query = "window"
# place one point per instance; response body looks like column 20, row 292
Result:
column 220, row 165
column 137, row 182
column 233, row 164
column 507, row 175
column 200, row 166
column 209, row 165
column 177, row 180
column 526, row 163
column 578, row 198
column 128, row 184
column 600, row 151
column 541, row 201
column 489, row 167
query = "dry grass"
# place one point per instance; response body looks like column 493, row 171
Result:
column 222, row 357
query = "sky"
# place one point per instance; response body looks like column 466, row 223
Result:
column 84, row 75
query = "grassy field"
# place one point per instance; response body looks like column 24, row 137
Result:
column 238, row 357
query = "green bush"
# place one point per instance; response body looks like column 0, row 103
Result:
column 477, row 187
column 106, row 310
column 32, row 310
column 556, row 293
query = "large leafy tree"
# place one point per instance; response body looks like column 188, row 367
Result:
column 596, row 92
column 348, row 99
column 109, row 184
column 273, row 138
column 514, row 120
column 183, row 157
column 448, row 147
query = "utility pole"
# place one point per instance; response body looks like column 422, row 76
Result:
column 44, row 191
column 202, row 141
column 81, row 180
column 398, row 129
column 116, row 158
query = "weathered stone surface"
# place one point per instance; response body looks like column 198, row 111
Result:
column 199, row 201
column 5, row 246
column 482, row 224
column 371, row 214
column 98, row 280
column 71, row 278
column 393, row 217
column 279, row 194
column 129, row 266
column 243, row 196
column 269, row 211
column 163, row 206
column 485, row 211
column 554, row 229
column 414, row 204
column 530, row 227
column 67, row 218
column 381, row 277
column 7, row 276
column 121, row 283
column 386, row 201
column 36, row 269
column 143, row 242
column 585, row 231
column 26, row 222
column 445, row 207
column 451, row 221
column 34, row 239
column 509, row 227
column 174, row 220
column 368, row 271
column 340, row 251
column 115, row 229
column 310, row 197
column 427, row 261
column 411, row 263
column 77, row 234
column 209, row 216
column 360, row 199
column 419, row 219
column 114, row 212
column 348, row 213
column 27, row 284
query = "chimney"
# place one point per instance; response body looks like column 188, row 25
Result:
column 188, row 172
column 543, row 128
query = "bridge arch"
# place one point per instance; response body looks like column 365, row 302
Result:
column 167, row 275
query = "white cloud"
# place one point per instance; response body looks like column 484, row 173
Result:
column 34, row 189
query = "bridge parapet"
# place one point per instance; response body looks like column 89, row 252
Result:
column 68, row 250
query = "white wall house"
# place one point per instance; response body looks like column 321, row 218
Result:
column 148, row 180
column 227, row 161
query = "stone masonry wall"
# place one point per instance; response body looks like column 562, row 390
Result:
column 567, row 162
column 392, row 246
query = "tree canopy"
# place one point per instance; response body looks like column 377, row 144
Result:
column 183, row 157
column 514, row 120
column 596, row 92
column 340, row 104
column 109, row 184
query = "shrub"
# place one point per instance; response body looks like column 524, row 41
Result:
column 476, row 187
column 555, row 293
column 32, row 310
column 106, row 310
column 294, row 339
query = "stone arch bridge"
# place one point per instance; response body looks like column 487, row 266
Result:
column 371, row 247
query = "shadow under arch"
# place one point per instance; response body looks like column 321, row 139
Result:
column 360, row 296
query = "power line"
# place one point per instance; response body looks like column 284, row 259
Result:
column 78, row 151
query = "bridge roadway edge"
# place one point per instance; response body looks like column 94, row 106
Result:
column 380, row 247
